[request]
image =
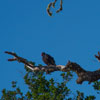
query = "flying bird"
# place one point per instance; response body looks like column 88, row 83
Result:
column 47, row 59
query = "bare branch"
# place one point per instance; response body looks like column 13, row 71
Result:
column 97, row 56
column 52, row 4
column 60, row 9
column 19, row 59
column 83, row 75
column 48, row 9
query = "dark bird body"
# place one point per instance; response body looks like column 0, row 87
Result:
column 47, row 59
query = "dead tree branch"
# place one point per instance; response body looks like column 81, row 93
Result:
column 52, row 4
column 83, row 75
column 97, row 56
column 29, row 65
column 60, row 9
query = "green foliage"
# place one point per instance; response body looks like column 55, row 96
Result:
column 16, row 94
column 43, row 89
column 67, row 76
column 90, row 98
column 39, row 88
column 96, row 86
column 80, row 96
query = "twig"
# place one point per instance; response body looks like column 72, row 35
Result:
column 52, row 4
column 48, row 9
column 60, row 9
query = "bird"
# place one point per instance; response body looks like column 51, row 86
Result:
column 47, row 59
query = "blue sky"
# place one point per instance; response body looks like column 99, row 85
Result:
column 26, row 28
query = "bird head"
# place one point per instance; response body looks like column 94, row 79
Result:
column 43, row 53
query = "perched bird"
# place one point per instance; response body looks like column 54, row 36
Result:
column 47, row 59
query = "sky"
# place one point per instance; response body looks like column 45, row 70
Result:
column 73, row 34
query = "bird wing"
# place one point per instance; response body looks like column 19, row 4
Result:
column 51, row 59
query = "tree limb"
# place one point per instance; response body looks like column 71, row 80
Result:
column 83, row 75
column 52, row 4
column 29, row 65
